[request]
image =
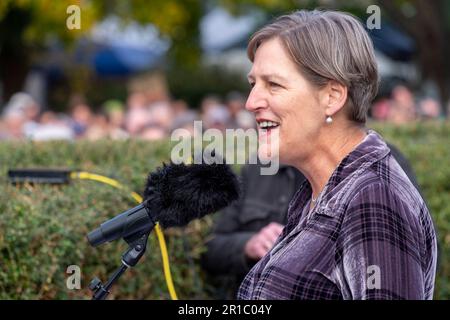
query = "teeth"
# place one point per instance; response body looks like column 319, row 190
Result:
column 267, row 124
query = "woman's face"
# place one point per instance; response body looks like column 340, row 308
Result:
column 281, row 95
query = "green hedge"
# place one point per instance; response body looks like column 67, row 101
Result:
column 427, row 147
column 43, row 227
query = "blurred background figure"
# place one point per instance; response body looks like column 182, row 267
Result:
column 179, row 107
column 185, row 121
column 235, row 102
column 21, row 115
column 136, row 120
column 380, row 107
column 13, row 123
column 429, row 109
column 217, row 117
column 2, row 130
column 215, row 114
column 153, row 132
column 208, row 102
column 115, row 115
column 81, row 115
column 98, row 128
column 161, row 114
column 52, row 127
column 402, row 108
column 137, row 115
column 136, row 100
column 239, row 116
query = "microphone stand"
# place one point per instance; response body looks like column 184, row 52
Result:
column 137, row 246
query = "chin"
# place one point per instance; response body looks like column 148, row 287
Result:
column 268, row 153
column 269, row 146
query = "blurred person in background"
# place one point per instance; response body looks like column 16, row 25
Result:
column 186, row 121
column 99, row 127
column 161, row 114
column 208, row 116
column 429, row 109
column 235, row 102
column 179, row 107
column 81, row 116
column 245, row 120
column 239, row 116
column 137, row 115
column 209, row 102
column 52, row 127
column 115, row 114
column 3, row 133
column 402, row 106
column 216, row 117
column 2, row 129
column 136, row 100
column 214, row 114
column 22, row 105
column 13, row 123
column 380, row 108
column 136, row 120
column 153, row 132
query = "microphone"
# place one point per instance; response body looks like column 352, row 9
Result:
column 174, row 195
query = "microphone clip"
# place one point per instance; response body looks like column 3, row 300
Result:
column 135, row 251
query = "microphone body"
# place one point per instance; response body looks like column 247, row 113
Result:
column 174, row 195
column 133, row 221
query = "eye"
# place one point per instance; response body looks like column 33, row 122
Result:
column 274, row 84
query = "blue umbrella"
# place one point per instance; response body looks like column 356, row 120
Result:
column 393, row 42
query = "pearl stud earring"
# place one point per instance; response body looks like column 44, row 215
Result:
column 329, row 120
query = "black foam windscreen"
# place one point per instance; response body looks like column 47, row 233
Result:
column 175, row 194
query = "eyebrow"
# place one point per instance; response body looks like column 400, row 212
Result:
column 269, row 76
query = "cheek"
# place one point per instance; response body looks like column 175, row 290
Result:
column 301, row 119
column 293, row 113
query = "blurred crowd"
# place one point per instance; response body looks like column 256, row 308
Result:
column 400, row 106
column 149, row 119
column 139, row 117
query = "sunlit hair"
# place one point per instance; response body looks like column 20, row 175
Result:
column 328, row 45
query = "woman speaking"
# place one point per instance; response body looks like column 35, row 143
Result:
column 357, row 228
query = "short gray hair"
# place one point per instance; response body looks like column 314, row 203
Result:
column 328, row 45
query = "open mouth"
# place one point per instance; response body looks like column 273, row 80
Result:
column 267, row 124
column 268, row 139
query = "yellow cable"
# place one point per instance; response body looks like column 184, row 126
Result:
column 159, row 233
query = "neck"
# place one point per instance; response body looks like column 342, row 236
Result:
column 327, row 153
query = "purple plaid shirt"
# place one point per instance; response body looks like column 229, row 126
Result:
column 369, row 236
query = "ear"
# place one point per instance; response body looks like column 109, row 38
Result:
column 335, row 97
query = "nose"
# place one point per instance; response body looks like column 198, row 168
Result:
column 256, row 100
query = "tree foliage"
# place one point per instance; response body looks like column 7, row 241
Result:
column 26, row 26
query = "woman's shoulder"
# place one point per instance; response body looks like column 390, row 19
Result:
column 383, row 184
column 385, row 188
